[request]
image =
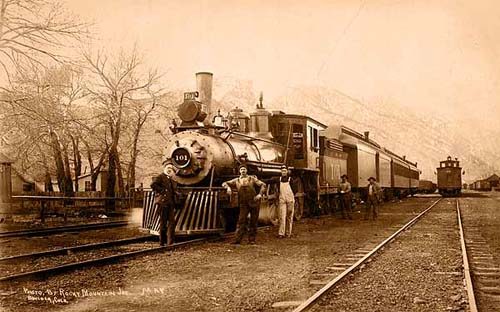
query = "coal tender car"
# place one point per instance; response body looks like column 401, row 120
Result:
column 207, row 147
column 449, row 177
column 427, row 187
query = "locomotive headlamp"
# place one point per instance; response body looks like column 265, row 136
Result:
column 181, row 157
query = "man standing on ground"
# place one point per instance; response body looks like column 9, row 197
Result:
column 345, row 198
column 372, row 199
column 286, row 204
column 165, row 189
column 249, row 202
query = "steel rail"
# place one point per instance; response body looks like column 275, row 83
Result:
column 468, row 280
column 65, row 250
column 106, row 260
column 93, row 262
column 69, row 228
column 308, row 303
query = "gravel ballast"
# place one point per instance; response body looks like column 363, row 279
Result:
column 421, row 270
column 218, row 276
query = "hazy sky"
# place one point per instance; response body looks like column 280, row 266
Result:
column 434, row 54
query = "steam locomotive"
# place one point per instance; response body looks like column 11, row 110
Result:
column 206, row 149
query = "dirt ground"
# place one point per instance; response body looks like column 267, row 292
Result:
column 217, row 276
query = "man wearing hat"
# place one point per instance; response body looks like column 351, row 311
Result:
column 164, row 191
column 345, row 197
column 372, row 199
column 249, row 202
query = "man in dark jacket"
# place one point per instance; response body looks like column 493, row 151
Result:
column 373, row 199
column 165, row 189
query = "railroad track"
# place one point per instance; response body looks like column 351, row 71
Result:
column 66, row 267
column 473, row 244
column 307, row 304
column 62, row 229
column 127, row 248
column 481, row 273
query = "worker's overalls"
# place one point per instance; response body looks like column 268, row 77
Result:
column 286, row 207
column 247, row 203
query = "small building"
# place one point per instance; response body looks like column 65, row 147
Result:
column 22, row 184
column 84, row 182
column 482, row 185
column 5, row 179
column 494, row 181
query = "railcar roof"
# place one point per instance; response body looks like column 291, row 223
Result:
column 281, row 114
column 359, row 136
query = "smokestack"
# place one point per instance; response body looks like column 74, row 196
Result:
column 204, row 86
column 367, row 135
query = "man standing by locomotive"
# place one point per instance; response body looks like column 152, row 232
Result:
column 372, row 199
column 286, row 204
column 165, row 205
column 248, row 201
column 345, row 198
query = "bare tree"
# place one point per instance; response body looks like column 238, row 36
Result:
column 117, row 86
column 36, row 32
column 42, row 111
column 95, row 148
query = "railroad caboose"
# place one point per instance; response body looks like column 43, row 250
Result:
column 449, row 177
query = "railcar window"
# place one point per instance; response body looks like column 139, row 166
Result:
column 315, row 138
column 309, row 135
column 336, row 172
column 282, row 131
column 298, row 141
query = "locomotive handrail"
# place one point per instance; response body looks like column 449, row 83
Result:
column 41, row 197
column 252, row 138
column 201, row 188
column 230, row 147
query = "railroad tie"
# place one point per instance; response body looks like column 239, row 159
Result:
column 487, row 282
column 449, row 273
column 488, row 257
column 317, row 282
column 337, row 268
column 487, row 274
column 493, row 290
column 337, row 264
column 286, row 304
column 326, row 274
column 486, row 270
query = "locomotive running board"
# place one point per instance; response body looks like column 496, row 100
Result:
column 199, row 214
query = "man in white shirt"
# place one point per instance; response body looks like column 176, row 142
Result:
column 345, row 198
column 286, row 204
